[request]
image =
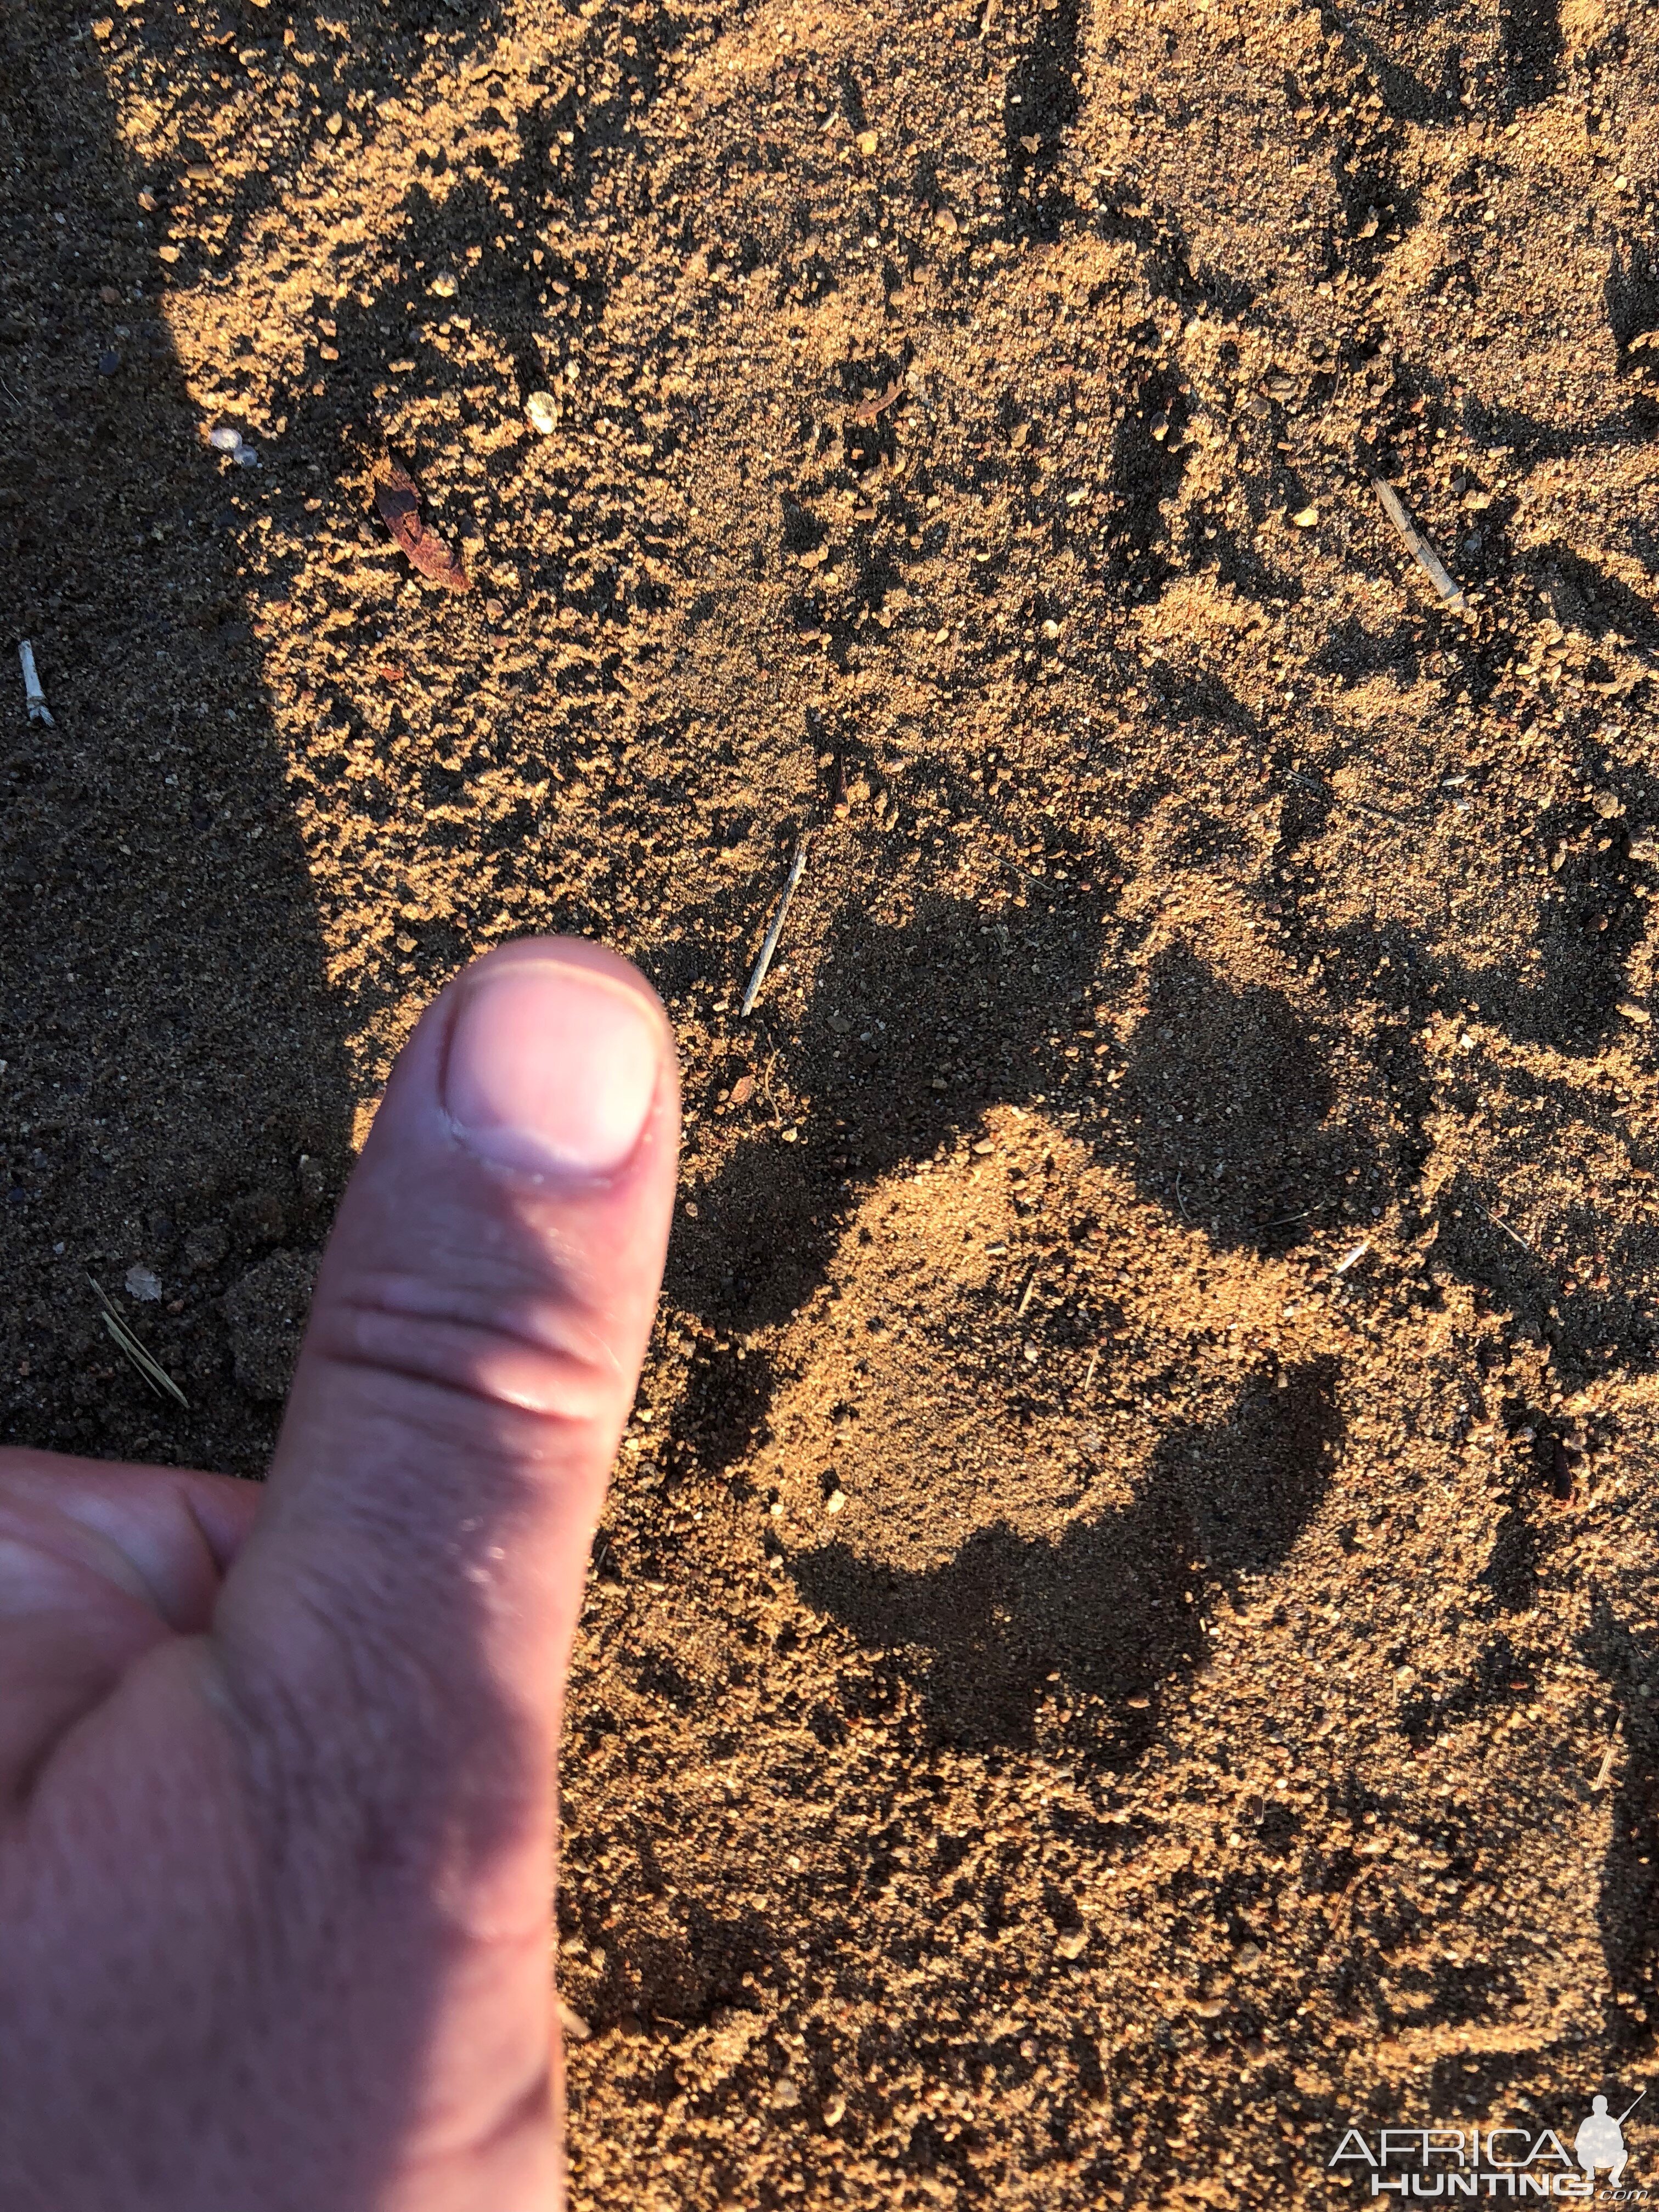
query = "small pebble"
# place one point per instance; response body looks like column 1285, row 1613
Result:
column 108, row 363
column 1305, row 517
column 541, row 409
column 246, row 457
column 144, row 1286
column 223, row 439
column 443, row 285
column 835, row 1501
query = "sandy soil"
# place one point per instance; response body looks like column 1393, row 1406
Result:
column 1126, row 1632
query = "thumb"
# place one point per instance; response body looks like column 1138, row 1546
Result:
column 403, row 1609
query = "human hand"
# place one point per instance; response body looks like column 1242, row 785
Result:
column 277, row 1764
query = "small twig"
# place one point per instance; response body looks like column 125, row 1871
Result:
column 1025, row 1296
column 1351, row 1259
column 1180, row 1200
column 128, row 1345
column 766, row 1085
column 39, row 711
column 877, row 403
column 770, row 946
column 1094, row 1360
column 1339, row 798
column 1419, row 547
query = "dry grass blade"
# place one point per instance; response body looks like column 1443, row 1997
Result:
column 126, row 1343
column 770, row 946
column 1498, row 1222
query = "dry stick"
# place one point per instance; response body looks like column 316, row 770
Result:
column 796, row 870
column 39, row 711
column 1419, row 547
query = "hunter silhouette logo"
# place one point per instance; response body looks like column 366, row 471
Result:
column 1601, row 2140
column 1502, row 2162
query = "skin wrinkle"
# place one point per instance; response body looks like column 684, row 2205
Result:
column 450, row 1414
column 41, row 1564
column 24, row 1778
column 525, row 1312
column 571, row 1316
column 464, row 1356
column 521, row 2107
column 34, row 1804
column 175, row 1585
column 76, row 1533
column 220, row 1544
column 172, row 1531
